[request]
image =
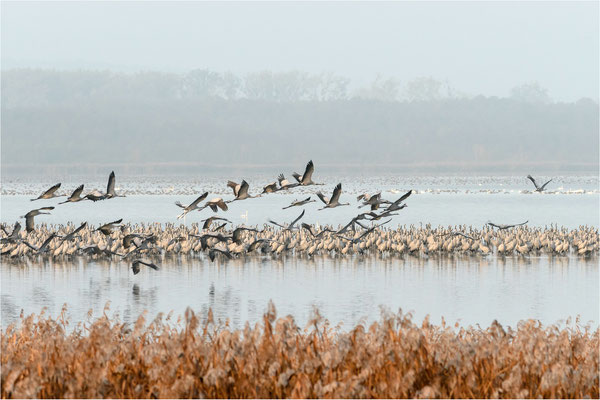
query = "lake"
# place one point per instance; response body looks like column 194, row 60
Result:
column 470, row 290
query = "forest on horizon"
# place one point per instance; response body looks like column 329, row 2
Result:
column 215, row 120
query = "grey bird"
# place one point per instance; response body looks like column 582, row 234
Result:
column 29, row 224
column 270, row 188
column 297, row 203
column 396, row 204
column 240, row 191
column 48, row 194
column 374, row 201
column 335, row 197
column 192, row 206
column 13, row 236
column 135, row 266
column 538, row 188
column 212, row 254
column 499, row 226
column 107, row 228
column 285, row 184
column 358, row 239
column 75, row 196
column 44, row 247
column 236, row 236
column 95, row 195
column 309, row 228
column 290, row 226
column 215, row 204
column 110, row 188
column 208, row 221
column 306, row 178
column 72, row 235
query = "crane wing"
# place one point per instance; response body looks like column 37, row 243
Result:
column 52, row 189
column 403, row 197
column 49, row 191
column 234, row 186
column 544, row 185
column 297, row 176
column 310, row 168
column 195, row 202
column 533, row 180
column 336, row 193
column 77, row 192
column 243, row 190
column 29, row 223
column 222, row 205
column 296, row 220
column 323, row 198
column 110, row 188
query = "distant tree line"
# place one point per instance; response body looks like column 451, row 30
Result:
column 61, row 117
column 31, row 87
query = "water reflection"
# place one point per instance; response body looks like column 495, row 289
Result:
column 346, row 290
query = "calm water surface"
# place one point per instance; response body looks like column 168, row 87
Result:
column 348, row 291
column 436, row 209
column 469, row 290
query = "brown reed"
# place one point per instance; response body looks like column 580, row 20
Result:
column 393, row 358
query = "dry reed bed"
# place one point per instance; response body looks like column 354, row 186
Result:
column 392, row 358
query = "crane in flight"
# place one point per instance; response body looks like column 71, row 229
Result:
column 48, row 194
column 192, row 206
column 501, row 227
column 335, row 197
column 285, row 184
column 306, row 178
column 110, row 188
column 75, row 196
column 135, row 266
column 296, row 203
column 240, row 190
column 290, row 226
column 29, row 224
column 537, row 187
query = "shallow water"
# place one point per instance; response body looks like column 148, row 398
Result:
column 435, row 209
column 352, row 184
column 468, row 290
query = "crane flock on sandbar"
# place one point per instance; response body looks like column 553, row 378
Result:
column 132, row 242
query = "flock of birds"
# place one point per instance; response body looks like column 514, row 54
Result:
column 132, row 242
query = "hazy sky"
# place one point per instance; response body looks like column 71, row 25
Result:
column 480, row 48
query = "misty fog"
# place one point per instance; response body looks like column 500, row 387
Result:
column 186, row 87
